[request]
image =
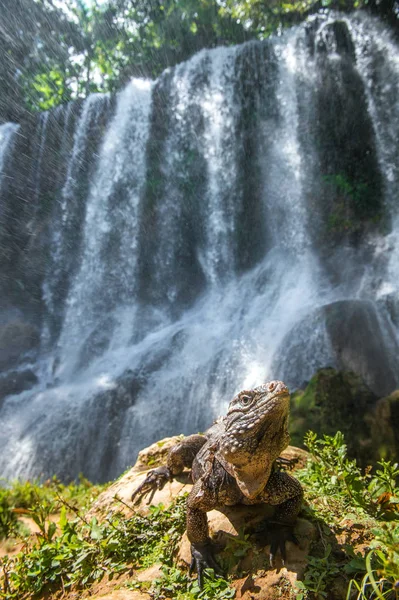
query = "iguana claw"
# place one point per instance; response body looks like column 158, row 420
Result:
column 202, row 558
column 155, row 480
column 277, row 535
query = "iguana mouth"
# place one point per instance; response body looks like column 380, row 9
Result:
column 282, row 393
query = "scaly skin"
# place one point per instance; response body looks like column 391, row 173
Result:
column 234, row 462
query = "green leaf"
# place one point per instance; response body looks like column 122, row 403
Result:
column 300, row 585
column 51, row 530
column 96, row 532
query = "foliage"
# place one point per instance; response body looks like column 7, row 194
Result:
column 77, row 552
column 336, row 488
column 381, row 578
column 355, row 201
column 23, row 498
column 330, row 472
column 56, row 54
column 8, row 518
column 35, row 39
column 177, row 584
column 318, row 574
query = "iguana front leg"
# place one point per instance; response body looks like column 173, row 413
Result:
column 284, row 492
column 180, row 456
column 200, row 500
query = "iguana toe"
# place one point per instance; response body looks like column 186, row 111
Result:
column 277, row 535
column 201, row 559
column 155, row 480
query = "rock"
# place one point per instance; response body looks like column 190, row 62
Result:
column 335, row 401
column 116, row 498
column 110, row 500
column 363, row 342
column 226, row 529
column 385, row 437
column 97, row 342
column 149, row 574
column 122, row 595
column 16, row 382
column 156, row 454
column 16, row 339
column 349, row 335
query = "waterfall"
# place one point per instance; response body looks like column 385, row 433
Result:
column 40, row 142
column 70, row 210
column 378, row 64
column 204, row 232
column 7, row 132
column 106, row 278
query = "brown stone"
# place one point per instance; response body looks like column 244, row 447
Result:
column 116, row 498
column 122, row 595
column 257, row 580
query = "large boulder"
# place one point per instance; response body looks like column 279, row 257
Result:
column 385, row 430
column 337, row 401
column 349, row 335
column 16, row 382
column 17, row 338
column 226, row 528
column 150, row 458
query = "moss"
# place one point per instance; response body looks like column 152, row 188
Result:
column 385, row 437
column 335, row 400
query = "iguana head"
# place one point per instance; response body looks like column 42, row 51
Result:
column 255, row 433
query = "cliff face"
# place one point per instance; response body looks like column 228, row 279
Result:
column 233, row 221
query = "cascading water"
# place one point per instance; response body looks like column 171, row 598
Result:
column 105, row 282
column 40, row 142
column 382, row 88
column 69, row 212
column 198, row 247
column 7, row 132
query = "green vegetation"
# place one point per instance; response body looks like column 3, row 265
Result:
column 331, row 473
column 75, row 552
column 339, row 494
column 356, row 552
column 176, row 583
column 26, row 498
column 336, row 400
column 355, row 202
column 54, row 55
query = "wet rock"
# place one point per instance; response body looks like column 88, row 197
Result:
column 363, row 342
column 17, row 338
column 16, row 382
column 335, row 401
column 349, row 335
column 97, row 342
column 385, row 434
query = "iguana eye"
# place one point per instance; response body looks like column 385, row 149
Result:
column 245, row 400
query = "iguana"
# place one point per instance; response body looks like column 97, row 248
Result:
column 235, row 462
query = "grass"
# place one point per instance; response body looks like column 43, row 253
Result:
column 339, row 494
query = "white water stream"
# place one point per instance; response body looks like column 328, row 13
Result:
column 186, row 362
